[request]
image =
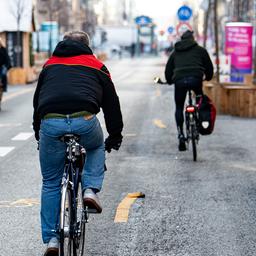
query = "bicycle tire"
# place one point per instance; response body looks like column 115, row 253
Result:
column 66, row 243
column 193, row 139
column 79, row 241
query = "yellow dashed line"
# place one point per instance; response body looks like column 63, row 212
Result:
column 122, row 211
column 19, row 203
column 159, row 123
column 16, row 94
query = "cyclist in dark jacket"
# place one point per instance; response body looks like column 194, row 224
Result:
column 187, row 66
column 71, row 89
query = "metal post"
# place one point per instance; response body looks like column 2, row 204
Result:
column 138, row 41
column 216, row 32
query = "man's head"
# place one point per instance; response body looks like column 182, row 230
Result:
column 187, row 35
column 79, row 36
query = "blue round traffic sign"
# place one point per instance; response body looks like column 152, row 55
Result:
column 184, row 13
column 170, row 30
column 143, row 20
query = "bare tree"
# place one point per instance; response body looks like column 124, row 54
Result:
column 206, row 22
column 216, row 32
column 19, row 11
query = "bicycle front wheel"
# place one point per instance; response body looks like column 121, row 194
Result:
column 79, row 241
column 66, row 215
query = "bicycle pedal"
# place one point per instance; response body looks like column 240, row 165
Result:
column 92, row 211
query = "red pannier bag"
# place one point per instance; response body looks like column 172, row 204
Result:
column 206, row 115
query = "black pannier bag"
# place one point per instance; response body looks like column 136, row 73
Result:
column 207, row 115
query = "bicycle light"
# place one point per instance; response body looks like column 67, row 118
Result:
column 190, row 109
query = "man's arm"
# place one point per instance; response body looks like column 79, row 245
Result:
column 112, row 113
column 36, row 118
column 207, row 65
column 169, row 69
column 111, row 108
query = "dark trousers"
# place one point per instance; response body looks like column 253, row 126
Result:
column 181, row 88
column 3, row 76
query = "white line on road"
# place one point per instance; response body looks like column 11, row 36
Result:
column 5, row 150
column 16, row 94
column 10, row 125
column 23, row 136
column 130, row 135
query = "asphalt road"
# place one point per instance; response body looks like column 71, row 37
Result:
column 207, row 208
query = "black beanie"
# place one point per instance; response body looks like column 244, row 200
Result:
column 187, row 35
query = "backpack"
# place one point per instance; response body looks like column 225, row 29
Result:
column 206, row 115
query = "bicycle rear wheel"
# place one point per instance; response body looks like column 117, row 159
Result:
column 194, row 141
column 79, row 241
column 66, row 216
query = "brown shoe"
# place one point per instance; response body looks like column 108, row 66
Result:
column 92, row 201
column 52, row 248
column 52, row 252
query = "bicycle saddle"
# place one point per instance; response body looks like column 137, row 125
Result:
column 69, row 136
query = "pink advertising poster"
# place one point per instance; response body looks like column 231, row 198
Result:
column 239, row 47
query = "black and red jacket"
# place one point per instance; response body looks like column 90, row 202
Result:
column 74, row 80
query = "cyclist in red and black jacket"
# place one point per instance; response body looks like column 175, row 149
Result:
column 71, row 89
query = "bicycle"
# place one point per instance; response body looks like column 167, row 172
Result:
column 73, row 214
column 191, row 120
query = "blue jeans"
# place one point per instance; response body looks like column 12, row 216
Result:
column 52, row 158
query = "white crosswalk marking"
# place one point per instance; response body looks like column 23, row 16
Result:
column 5, row 150
column 23, row 136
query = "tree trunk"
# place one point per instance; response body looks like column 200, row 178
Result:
column 18, row 48
column 206, row 21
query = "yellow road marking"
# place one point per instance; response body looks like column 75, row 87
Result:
column 122, row 211
column 159, row 123
column 19, row 203
column 16, row 94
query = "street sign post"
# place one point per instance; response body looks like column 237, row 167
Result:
column 182, row 27
column 145, row 28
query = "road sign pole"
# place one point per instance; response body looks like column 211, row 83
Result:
column 138, row 41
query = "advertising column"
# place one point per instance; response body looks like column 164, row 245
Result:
column 239, row 47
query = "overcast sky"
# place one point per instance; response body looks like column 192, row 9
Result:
column 162, row 11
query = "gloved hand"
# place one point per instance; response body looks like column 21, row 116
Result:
column 113, row 142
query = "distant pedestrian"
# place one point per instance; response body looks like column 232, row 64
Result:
column 133, row 46
column 187, row 66
column 4, row 66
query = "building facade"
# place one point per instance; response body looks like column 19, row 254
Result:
column 16, row 32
